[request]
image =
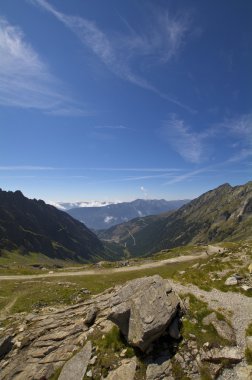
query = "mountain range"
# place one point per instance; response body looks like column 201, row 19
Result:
column 222, row 214
column 98, row 218
column 30, row 225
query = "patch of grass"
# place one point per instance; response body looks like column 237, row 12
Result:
column 56, row 374
column 51, row 291
column 205, row 373
column 248, row 353
column 178, row 372
column 249, row 330
column 112, row 340
column 197, row 312
column 179, row 251
column 108, row 348
column 208, row 274
column 16, row 263
column 248, row 356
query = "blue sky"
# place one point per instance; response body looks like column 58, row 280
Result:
column 117, row 100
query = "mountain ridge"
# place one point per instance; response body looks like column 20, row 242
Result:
column 223, row 213
column 31, row 225
column 98, row 218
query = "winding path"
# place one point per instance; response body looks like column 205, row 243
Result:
column 152, row 264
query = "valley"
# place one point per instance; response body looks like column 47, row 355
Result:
column 209, row 275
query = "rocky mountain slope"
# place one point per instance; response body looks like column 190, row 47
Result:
column 104, row 217
column 222, row 214
column 32, row 226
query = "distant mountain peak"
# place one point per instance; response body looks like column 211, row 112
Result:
column 98, row 218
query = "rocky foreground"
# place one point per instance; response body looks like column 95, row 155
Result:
column 83, row 341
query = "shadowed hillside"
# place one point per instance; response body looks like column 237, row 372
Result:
column 33, row 226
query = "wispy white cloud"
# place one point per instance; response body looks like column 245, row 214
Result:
column 233, row 134
column 25, row 80
column 186, row 176
column 122, row 169
column 163, row 38
column 184, row 141
column 26, row 167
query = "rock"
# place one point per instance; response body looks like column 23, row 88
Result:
column 246, row 288
column 250, row 268
column 143, row 310
column 123, row 353
column 160, row 369
column 244, row 373
column 215, row 369
column 222, row 327
column 216, row 355
column 126, row 371
column 224, row 330
column 209, row 319
column 5, row 345
column 93, row 360
column 195, row 265
column 89, row 373
column 75, row 368
column 91, row 315
column 249, row 342
column 173, row 329
column 84, row 291
column 231, row 281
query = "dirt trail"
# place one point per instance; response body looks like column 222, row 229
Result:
column 5, row 311
column 153, row 264
column 239, row 305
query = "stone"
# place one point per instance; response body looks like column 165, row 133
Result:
column 215, row 369
column 75, row 368
column 173, row 329
column 126, row 371
column 224, row 330
column 89, row 373
column 222, row 327
column 250, row 268
column 143, row 310
column 209, row 319
column 5, row 345
column 93, row 360
column 91, row 316
column 160, row 369
column 243, row 373
column 246, row 288
column 216, row 355
column 231, row 281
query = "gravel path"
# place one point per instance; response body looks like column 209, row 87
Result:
column 152, row 264
column 239, row 305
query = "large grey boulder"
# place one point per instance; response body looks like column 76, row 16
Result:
column 76, row 367
column 143, row 309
